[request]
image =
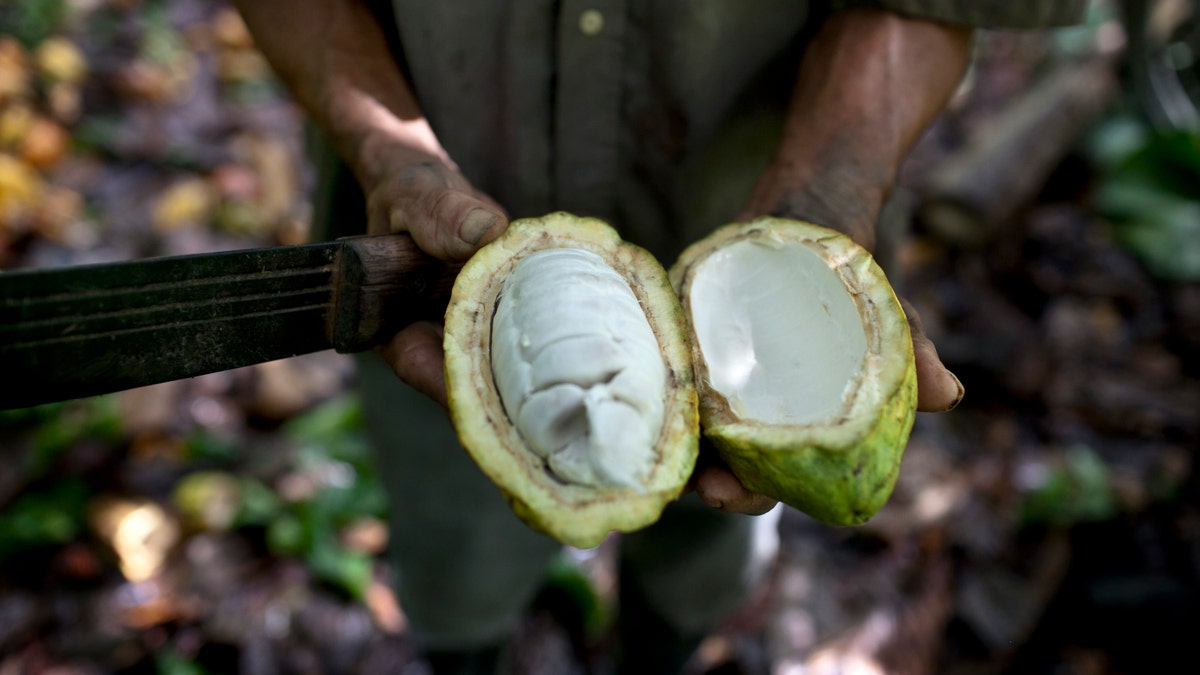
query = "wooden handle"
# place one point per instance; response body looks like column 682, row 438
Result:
column 384, row 282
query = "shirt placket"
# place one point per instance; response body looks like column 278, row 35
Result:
column 587, row 105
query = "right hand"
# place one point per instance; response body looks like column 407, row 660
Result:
column 449, row 220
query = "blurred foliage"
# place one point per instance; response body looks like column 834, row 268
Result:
column 171, row 662
column 332, row 450
column 65, row 425
column 598, row 613
column 38, row 518
column 330, row 485
column 1147, row 189
column 56, row 427
column 32, row 21
column 1079, row 490
column 51, row 512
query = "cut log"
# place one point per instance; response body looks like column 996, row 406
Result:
column 975, row 191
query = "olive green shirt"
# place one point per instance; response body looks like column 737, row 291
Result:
column 658, row 113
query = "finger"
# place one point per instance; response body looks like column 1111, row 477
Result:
column 938, row 389
column 721, row 490
column 449, row 224
column 416, row 356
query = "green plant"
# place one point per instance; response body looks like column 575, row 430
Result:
column 1147, row 189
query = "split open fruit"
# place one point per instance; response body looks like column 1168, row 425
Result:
column 569, row 377
column 804, row 364
column 578, row 375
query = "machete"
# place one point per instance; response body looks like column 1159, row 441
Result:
column 93, row 329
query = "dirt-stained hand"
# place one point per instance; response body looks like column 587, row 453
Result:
column 449, row 220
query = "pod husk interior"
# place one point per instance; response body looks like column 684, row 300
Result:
column 842, row 468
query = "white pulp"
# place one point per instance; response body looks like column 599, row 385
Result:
column 782, row 337
column 578, row 367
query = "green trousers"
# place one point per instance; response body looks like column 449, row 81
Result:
column 465, row 567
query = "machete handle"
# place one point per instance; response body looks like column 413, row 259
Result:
column 383, row 283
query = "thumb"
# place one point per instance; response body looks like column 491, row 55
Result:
column 448, row 223
column 938, row 389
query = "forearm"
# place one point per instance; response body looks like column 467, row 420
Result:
column 333, row 57
column 868, row 86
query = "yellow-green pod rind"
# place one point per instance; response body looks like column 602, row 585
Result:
column 842, row 470
column 576, row 515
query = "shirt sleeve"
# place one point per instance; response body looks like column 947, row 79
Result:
column 996, row 14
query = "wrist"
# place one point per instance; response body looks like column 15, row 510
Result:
column 378, row 153
column 838, row 196
column 364, row 101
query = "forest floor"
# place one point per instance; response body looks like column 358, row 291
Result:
column 233, row 522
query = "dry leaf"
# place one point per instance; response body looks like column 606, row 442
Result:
column 59, row 60
column 57, row 214
column 365, row 535
column 14, row 71
column 188, row 203
column 208, row 500
column 230, row 31
column 45, row 144
column 138, row 531
column 64, row 101
column 15, row 122
column 21, row 189
column 242, row 66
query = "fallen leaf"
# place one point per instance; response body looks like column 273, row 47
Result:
column 139, row 532
column 57, row 215
column 45, row 143
column 208, row 500
column 230, row 31
column 15, row 122
column 188, row 203
column 21, row 189
column 365, row 535
column 59, row 60
column 15, row 80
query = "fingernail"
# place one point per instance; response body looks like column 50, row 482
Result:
column 476, row 224
column 961, row 391
column 710, row 501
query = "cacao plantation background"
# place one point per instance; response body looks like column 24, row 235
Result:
column 1046, row 230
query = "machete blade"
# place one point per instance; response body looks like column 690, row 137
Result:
column 93, row 329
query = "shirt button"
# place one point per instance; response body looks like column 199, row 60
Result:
column 591, row 22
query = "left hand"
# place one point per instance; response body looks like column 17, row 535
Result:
column 839, row 204
column 869, row 84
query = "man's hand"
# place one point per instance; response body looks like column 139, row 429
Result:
column 868, row 86
column 449, row 220
column 335, row 60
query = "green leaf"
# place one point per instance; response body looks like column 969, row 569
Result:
column 32, row 21
column 1079, row 491
column 287, row 536
column 329, row 420
column 55, row 516
column 1150, row 197
column 259, row 505
column 333, row 430
column 66, row 424
column 349, row 570
column 171, row 662
column 203, row 444
column 566, row 575
column 1159, row 226
column 161, row 43
column 1112, row 142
